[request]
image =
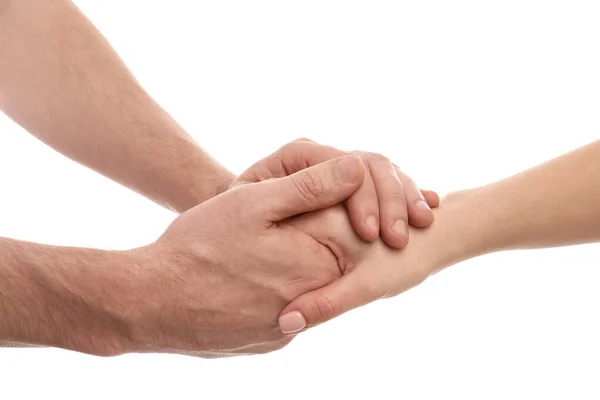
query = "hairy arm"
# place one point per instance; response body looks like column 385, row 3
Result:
column 554, row 204
column 72, row 298
column 211, row 285
column 62, row 81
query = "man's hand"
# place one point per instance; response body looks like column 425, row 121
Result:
column 215, row 282
column 212, row 285
column 386, row 203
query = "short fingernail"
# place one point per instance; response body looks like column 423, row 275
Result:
column 372, row 224
column 399, row 227
column 292, row 322
column 348, row 169
column 422, row 205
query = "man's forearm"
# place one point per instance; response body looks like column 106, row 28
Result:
column 61, row 80
column 554, row 204
column 63, row 297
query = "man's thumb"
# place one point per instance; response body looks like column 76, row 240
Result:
column 321, row 305
column 314, row 188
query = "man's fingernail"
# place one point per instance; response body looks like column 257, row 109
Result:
column 372, row 224
column 399, row 227
column 292, row 322
column 348, row 169
column 422, row 205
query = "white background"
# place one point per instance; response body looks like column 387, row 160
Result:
column 458, row 93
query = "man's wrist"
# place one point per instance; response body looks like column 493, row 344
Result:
column 224, row 181
column 205, row 187
column 70, row 298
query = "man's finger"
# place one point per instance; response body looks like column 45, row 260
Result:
column 392, row 202
column 363, row 206
column 321, row 305
column 293, row 157
column 363, row 209
column 419, row 212
column 304, row 153
column 432, row 198
column 313, row 188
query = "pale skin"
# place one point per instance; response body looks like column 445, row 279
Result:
column 62, row 81
column 201, row 289
column 109, row 303
column 554, row 204
column 163, row 297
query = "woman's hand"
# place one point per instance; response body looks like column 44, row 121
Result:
column 370, row 271
column 552, row 204
column 387, row 202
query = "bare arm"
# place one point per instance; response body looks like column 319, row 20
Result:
column 213, row 284
column 62, row 81
column 63, row 297
column 554, row 204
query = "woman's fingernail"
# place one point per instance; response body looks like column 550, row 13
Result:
column 400, row 228
column 372, row 224
column 422, row 205
column 292, row 322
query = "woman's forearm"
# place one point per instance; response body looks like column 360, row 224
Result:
column 62, row 81
column 554, row 204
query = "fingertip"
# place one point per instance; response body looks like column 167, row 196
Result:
column 396, row 235
column 292, row 322
column 371, row 227
column 432, row 198
column 420, row 215
column 363, row 210
column 366, row 230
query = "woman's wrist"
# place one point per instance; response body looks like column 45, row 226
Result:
column 463, row 229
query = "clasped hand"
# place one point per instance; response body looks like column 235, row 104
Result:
column 216, row 282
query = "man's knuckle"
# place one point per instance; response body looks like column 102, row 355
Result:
column 303, row 139
column 396, row 196
column 286, row 148
column 369, row 196
column 360, row 153
column 379, row 158
column 311, row 186
column 324, row 307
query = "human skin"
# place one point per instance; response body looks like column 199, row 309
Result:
column 386, row 192
column 553, row 204
column 212, row 285
column 63, row 82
